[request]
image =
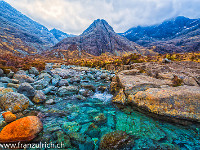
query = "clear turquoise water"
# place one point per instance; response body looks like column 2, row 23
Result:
column 148, row 133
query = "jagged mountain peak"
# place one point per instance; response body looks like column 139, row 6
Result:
column 99, row 24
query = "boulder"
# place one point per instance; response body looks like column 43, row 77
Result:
column 190, row 81
column 55, row 80
column 34, row 71
column 100, row 119
column 63, row 82
column 14, row 102
column 22, row 72
column 21, row 130
column 180, row 102
column 67, row 90
column 39, row 97
column 9, row 117
column 44, row 76
column 116, row 140
column 42, row 83
column 165, row 75
column 27, row 90
column 23, row 78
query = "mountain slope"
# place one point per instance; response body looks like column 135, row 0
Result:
column 59, row 35
column 176, row 35
column 99, row 38
column 14, row 26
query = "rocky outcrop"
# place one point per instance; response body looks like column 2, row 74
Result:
column 169, row 92
column 22, row 130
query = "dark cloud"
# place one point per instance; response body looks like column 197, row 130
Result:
column 74, row 16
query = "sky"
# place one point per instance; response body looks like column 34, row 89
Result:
column 74, row 16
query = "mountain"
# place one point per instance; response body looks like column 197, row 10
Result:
column 99, row 38
column 20, row 34
column 180, row 34
column 59, row 35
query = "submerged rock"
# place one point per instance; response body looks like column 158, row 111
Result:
column 14, row 102
column 21, row 130
column 117, row 140
column 100, row 119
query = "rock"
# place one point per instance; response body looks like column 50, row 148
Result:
column 133, row 84
column 5, row 90
column 89, row 87
column 67, row 90
column 14, row 81
column 1, row 72
column 130, row 72
column 190, row 81
column 27, row 90
column 179, row 102
column 102, row 88
column 21, row 72
column 93, row 131
column 39, row 97
column 23, row 78
column 50, row 102
column 14, row 102
column 70, row 127
column 64, row 73
column 11, row 74
column 166, row 60
column 44, row 76
column 100, row 119
column 166, row 75
column 48, row 89
column 55, row 80
column 63, row 82
column 116, row 140
column 34, row 71
column 120, row 98
column 5, row 80
column 75, row 80
column 104, row 76
column 13, row 85
column 86, row 93
column 80, row 97
column 42, row 83
column 9, row 117
column 21, row 130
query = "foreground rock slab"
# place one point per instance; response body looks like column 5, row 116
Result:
column 180, row 102
column 22, row 130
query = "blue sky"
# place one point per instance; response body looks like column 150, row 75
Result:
column 74, row 16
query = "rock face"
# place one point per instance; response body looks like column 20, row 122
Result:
column 99, row 38
column 22, row 130
column 26, row 33
column 156, row 91
column 14, row 102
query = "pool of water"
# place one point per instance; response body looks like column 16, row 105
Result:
column 69, row 121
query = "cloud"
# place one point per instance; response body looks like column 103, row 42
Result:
column 74, row 16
